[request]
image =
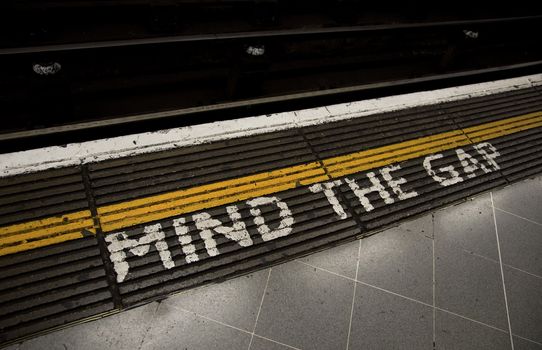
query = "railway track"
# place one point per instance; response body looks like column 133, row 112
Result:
column 97, row 87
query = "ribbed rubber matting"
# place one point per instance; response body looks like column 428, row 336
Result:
column 83, row 241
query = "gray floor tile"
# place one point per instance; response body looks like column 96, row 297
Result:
column 400, row 261
column 234, row 302
column 422, row 226
column 469, row 285
column 385, row 321
column 263, row 344
column 306, row 308
column 521, row 243
column 176, row 329
column 453, row 332
column 341, row 259
column 469, row 225
column 524, row 293
column 522, row 198
column 121, row 331
column 522, row 344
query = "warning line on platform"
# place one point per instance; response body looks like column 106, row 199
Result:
column 33, row 234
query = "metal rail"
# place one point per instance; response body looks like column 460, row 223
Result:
column 254, row 102
column 250, row 35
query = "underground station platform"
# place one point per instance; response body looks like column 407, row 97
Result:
column 93, row 229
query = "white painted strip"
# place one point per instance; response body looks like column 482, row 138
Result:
column 117, row 147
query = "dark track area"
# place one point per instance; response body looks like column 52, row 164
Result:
column 177, row 63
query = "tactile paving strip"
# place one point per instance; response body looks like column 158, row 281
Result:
column 51, row 268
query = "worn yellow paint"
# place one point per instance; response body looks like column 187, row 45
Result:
column 158, row 207
column 490, row 131
column 172, row 210
column 365, row 160
column 54, row 230
column 43, row 232
column 44, row 223
column 293, row 173
column 40, row 243
column 211, row 195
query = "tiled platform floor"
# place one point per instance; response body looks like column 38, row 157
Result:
column 434, row 282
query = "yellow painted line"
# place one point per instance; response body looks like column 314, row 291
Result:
column 158, row 215
column 205, row 188
column 38, row 233
column 400, row 152
column 210, row 195
column 152, row 208
column 50, row 231
column 40, row 243
column 43, row 223
column 502, row 129
column 129, row 213
column 385, row 149
column 503, row 122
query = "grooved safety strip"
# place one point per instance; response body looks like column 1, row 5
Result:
column 170, row 220
column 53, row 230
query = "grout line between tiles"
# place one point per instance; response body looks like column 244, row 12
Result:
column 518, row 216
column 404, row 297
column 520, row 270
column 277, row 342
column 149, row 327
column 361, row 282
column 497, row 262
column 353, row 297
column 211, row 319
column 529, row 340
column 232, row 327
column 471, row 319
column 325, row 270
column 260, row 308
column 502, row 273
